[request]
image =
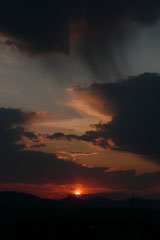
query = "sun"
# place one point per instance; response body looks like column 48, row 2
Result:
column 78, row 193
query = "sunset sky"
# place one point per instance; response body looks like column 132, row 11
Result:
column 80, row 97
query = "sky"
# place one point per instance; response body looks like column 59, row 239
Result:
column 79, row 97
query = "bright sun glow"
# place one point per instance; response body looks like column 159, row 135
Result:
column 77, row 193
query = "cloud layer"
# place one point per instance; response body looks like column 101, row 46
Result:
column 18, row 165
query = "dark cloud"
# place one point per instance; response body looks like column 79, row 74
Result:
column 13, row 129
column 45, row 26
column 36, row 27
column 135, row 126
column 135, row 107
column 38, row 145
column 31, row 135
column 89, row 136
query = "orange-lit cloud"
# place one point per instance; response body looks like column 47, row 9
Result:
column 74, row 154
column 39, row 117
column 89, row 103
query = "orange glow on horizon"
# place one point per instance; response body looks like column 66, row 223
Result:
column 52, row 191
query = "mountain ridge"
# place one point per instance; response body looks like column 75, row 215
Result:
column 11, row 199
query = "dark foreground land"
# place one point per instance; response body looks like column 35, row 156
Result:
column 27, row 217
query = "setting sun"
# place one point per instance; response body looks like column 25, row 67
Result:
column 77, row 193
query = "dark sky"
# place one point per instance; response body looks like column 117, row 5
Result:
column 71, row 116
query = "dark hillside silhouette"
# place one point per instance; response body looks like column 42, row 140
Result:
column 27, row 217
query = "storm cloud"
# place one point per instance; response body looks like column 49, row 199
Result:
column 47, row 26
